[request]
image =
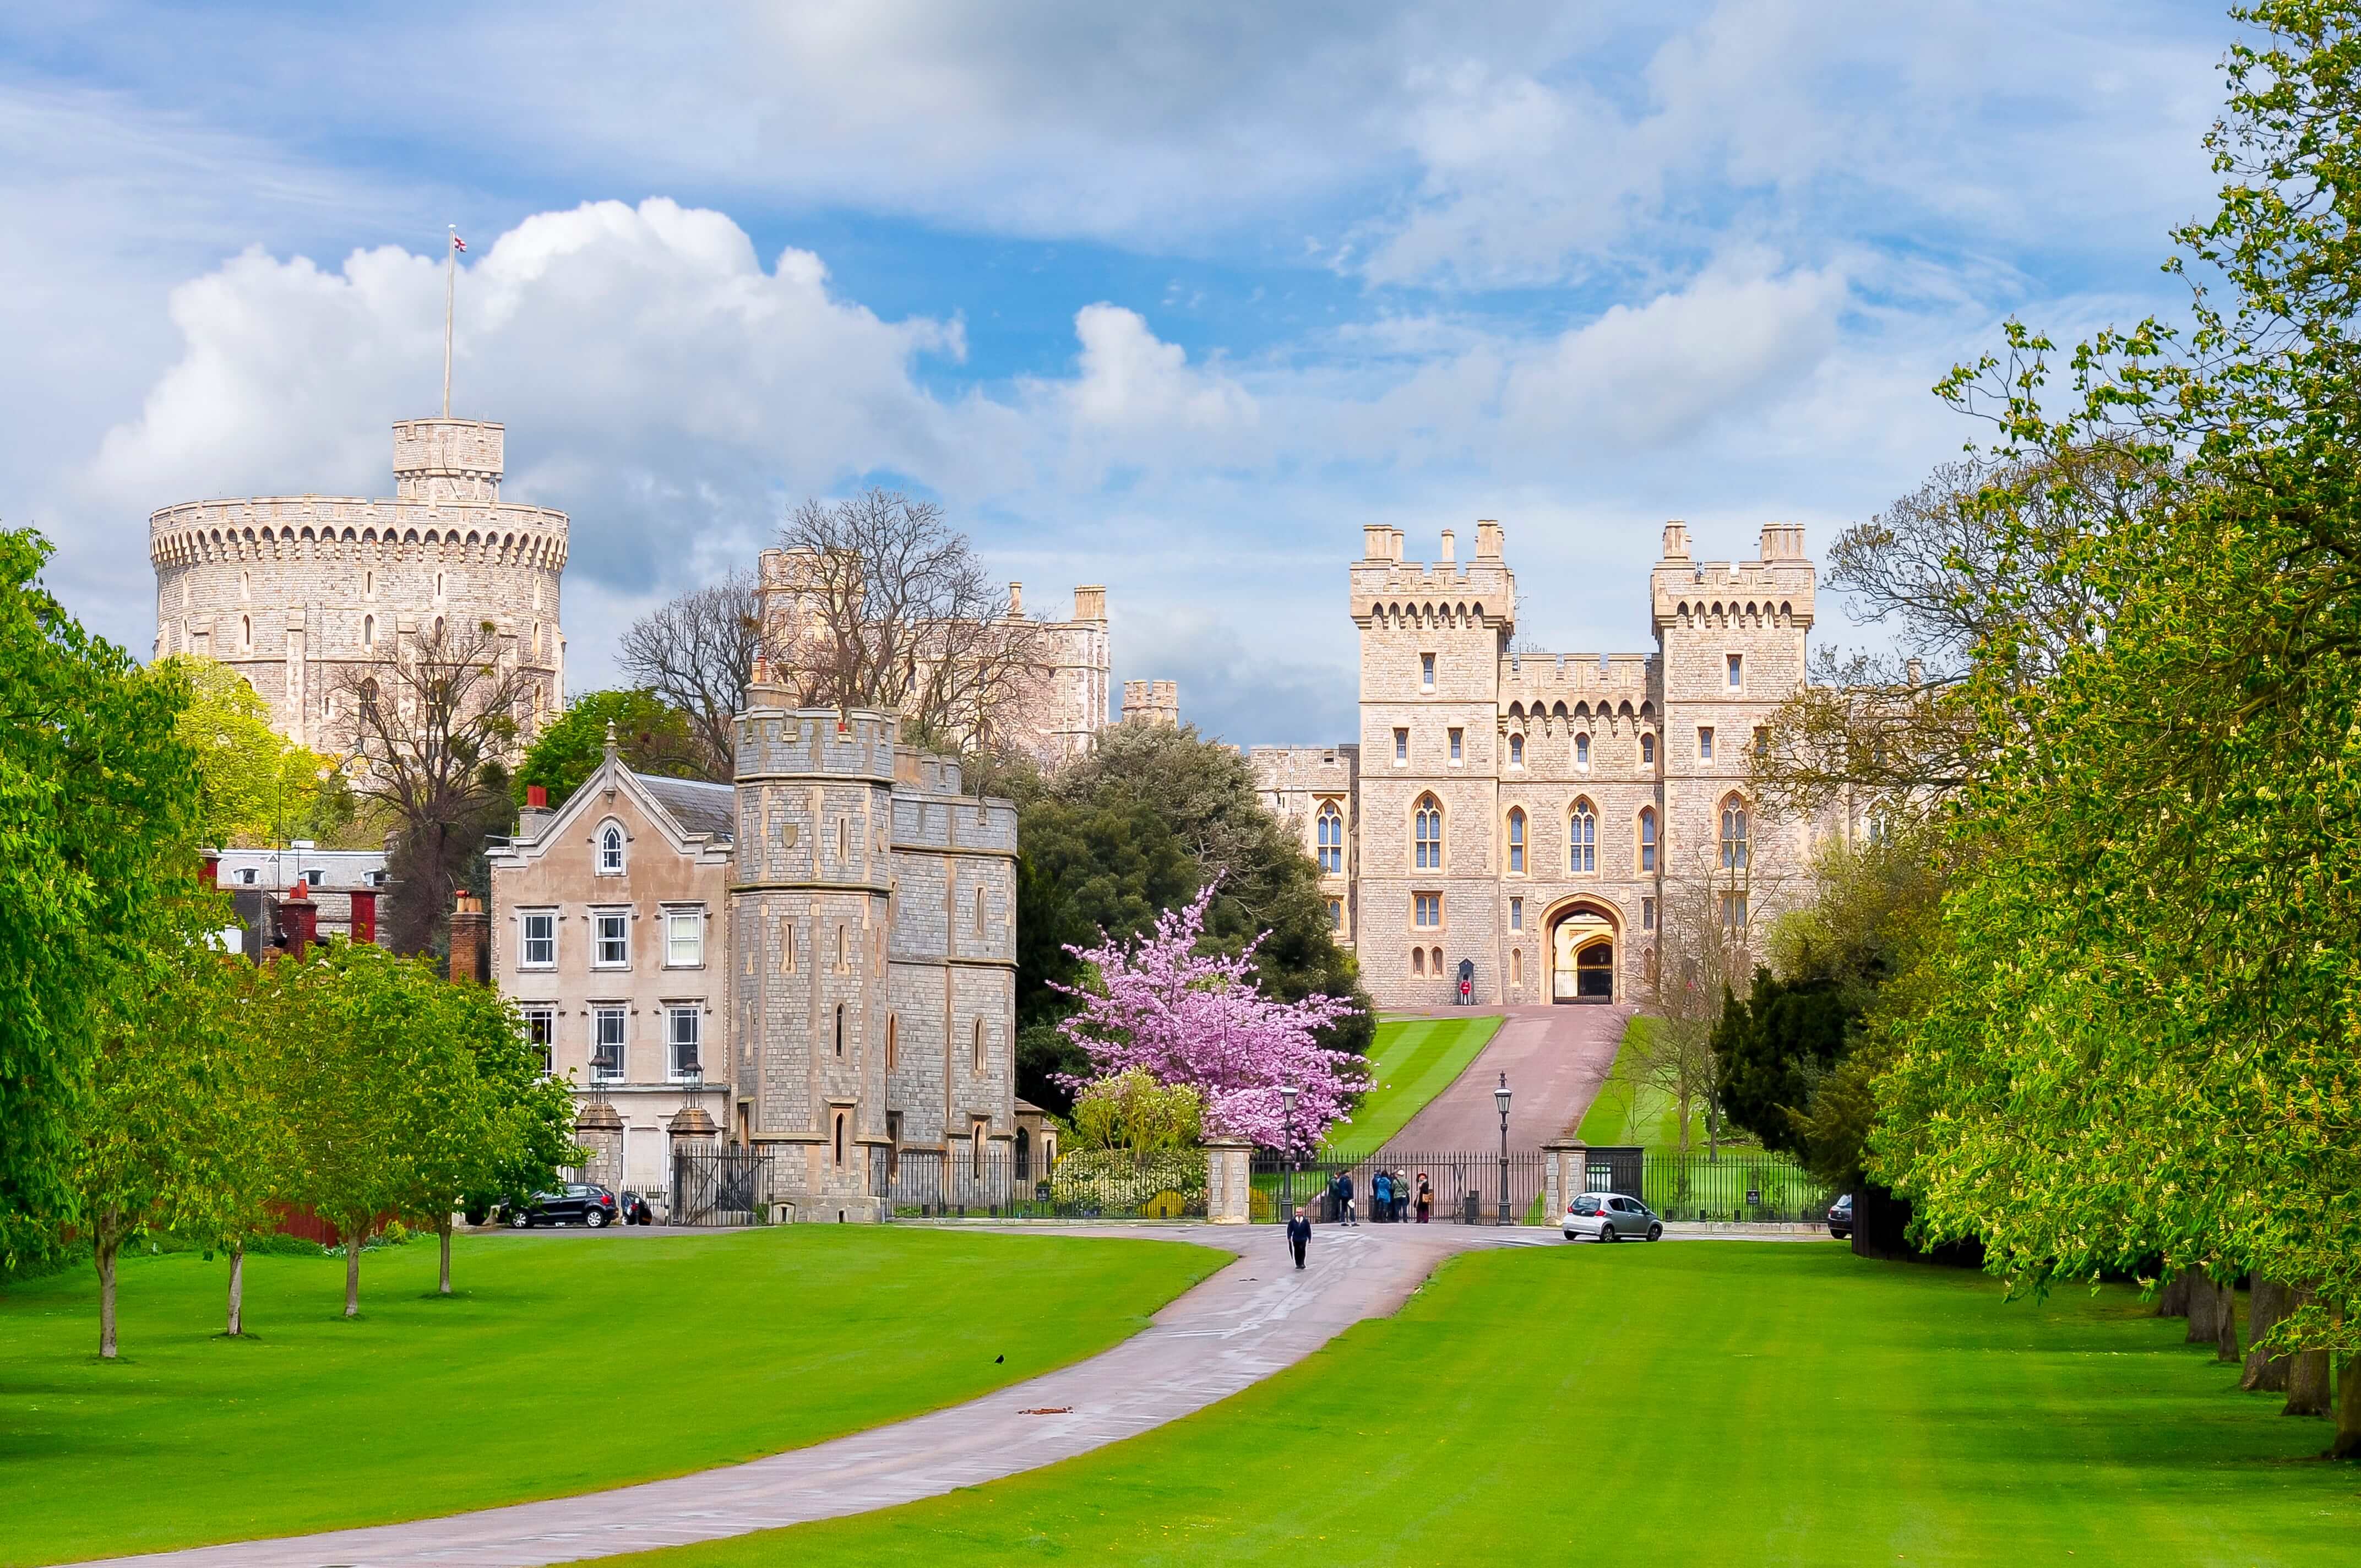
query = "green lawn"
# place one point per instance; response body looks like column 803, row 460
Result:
column 1707, row 1403
column 568, row 1363
column 1412, row 1060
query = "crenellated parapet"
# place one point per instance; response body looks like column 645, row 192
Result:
column 1387, row 591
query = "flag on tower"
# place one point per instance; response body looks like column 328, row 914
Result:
column 456, row 243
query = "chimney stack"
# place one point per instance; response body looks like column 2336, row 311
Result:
column 1487, row 540
column 298, row 919
column 1676, row 542
column 471, row 932
column 364, row 916
column 1090, row 602
column 1450, row 548
column 536, row 813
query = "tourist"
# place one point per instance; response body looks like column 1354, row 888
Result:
column 1345, row 1215
column 1401, row 1197
column 1425, row 1199
column 1381, row 1197
column 1299, row 1234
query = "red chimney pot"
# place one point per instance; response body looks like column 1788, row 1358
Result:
column 537, row 796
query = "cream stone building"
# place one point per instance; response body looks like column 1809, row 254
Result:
column 1530, row 821
column 292, row 591
column 814, row 965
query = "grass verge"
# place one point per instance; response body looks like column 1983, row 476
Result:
column 1412, row 1061
column 568, row 1363
column 1706, row 1403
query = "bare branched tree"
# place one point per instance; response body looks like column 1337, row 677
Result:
column 697, row 654
column 882, row 604
column 435, row 731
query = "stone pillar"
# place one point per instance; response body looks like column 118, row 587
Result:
column 599, row 1128
column 1568, row 1173
column 1229, row 1169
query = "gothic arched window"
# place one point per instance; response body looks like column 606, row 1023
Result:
column 1516, row 751
column 1648, row 750
column 1426, row 834
column 1582, row 838
column 1647, row 838
column 610, row 850
column 1733, row 833
column 1516, row 841
column 1331, row 833
column 1581, row 750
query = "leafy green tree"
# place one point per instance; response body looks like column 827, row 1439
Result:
column 97, row 817
column 650, row 737
column 254, row 786
column 248, row 1161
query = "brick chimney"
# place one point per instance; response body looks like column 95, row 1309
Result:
column 364, row 915
column 298, row 919
column 471, row 939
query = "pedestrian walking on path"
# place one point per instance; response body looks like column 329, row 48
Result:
column 1299, row 1234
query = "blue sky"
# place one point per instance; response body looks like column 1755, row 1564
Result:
column 1173, row 299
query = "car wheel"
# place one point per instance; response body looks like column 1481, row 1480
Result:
column 1571, row 1235
column 1655, row 1232
column 1607, row 1234
column 521, row 1220
column 594, row 1217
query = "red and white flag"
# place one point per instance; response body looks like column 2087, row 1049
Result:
column 456, row 243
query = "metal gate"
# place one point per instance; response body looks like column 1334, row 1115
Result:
column 1461, row 1188
column 720, row 1187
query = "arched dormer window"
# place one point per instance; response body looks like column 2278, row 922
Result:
column 1516, row 751
column 1516, row 841
column 1647, row 838
column 1733, row 833
column 1426, row 834
column 611, row 850
column 1330, row 834
column 1582, row 838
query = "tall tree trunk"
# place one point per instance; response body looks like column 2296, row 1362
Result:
column 105, row 1255
column 2172, row 1302
column 353, row 1270
column 2267, row 1304
column 236, row 1289
column 2204, row 1309
column 2225, row 1325
column 443, row 1227
column 2348, row 1442
column 2307, row 1374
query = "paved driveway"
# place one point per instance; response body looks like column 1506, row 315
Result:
column 1555, row 1058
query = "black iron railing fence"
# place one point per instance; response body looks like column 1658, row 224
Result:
column 721, row 1186
column 1086, row 1185
column 1462, row 1187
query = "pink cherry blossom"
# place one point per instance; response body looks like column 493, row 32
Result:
column 1189, row 1017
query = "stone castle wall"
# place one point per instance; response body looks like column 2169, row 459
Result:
column 293, row 591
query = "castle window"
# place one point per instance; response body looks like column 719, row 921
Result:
column 1516, row 841
column 611, row 850
column 369, row 632
column 1418, row 961
column 610, row 931
column 1704, row 742
column 893, row 1043
column 683, row 1033
column 1426, row 835
column 1516, row 966
column 1648, row 750
column 1737, row 671
column 975, row 1050
column 840, row 947
column 1401, row 747
column 1336, row 915
column 438, row 585
column 1426, row 671
column 1581, row 750
column 1762, row 741
column 1434, row 962
column 1647, row 915
column 787, row 946
column 979, row 912
column 844, row 838
column 1516, row 914
column 978, row 1134
column 1426, row 911
column 1733, row 833
column 839, row 1137
column 368, row 702
column 1330, row 834
column 245, row 632
column 1734, row 913
column 839, row 1028
column 1582, row 838
column 1516, row 751
column 1458, row 739
column 368, row 585
column 1647, row 838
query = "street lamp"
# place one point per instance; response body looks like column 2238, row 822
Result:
column 1286, row 1093
column 1500, row 1098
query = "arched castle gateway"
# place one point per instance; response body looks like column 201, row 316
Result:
column 1541, row 818
column 289, row 590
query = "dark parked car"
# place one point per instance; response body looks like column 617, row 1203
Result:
column 636, row 1211
column 576, row 1202
column 1840, row 1218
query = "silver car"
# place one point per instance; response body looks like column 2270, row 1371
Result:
column 1611, row 1217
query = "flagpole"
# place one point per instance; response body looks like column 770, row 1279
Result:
column 450, row 288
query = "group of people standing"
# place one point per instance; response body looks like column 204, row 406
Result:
column 1392, row 1196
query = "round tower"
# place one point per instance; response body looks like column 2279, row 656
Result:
column 290, row 591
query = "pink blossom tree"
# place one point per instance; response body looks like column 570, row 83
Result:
column 1192, row 1018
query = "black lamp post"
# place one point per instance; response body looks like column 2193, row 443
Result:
column 1500, row 1098
column 1286, row 1093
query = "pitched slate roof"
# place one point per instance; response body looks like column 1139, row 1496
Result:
column 698, row 807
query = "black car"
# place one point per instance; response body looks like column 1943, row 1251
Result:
column 576, row 1202
column 636, row 1211
column 1840, row 1218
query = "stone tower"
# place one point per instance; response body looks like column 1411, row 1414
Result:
column 290, row 591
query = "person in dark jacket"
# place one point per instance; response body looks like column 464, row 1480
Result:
column 1344, row 1199
column 1381, row 1197
column 1299, row 1234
